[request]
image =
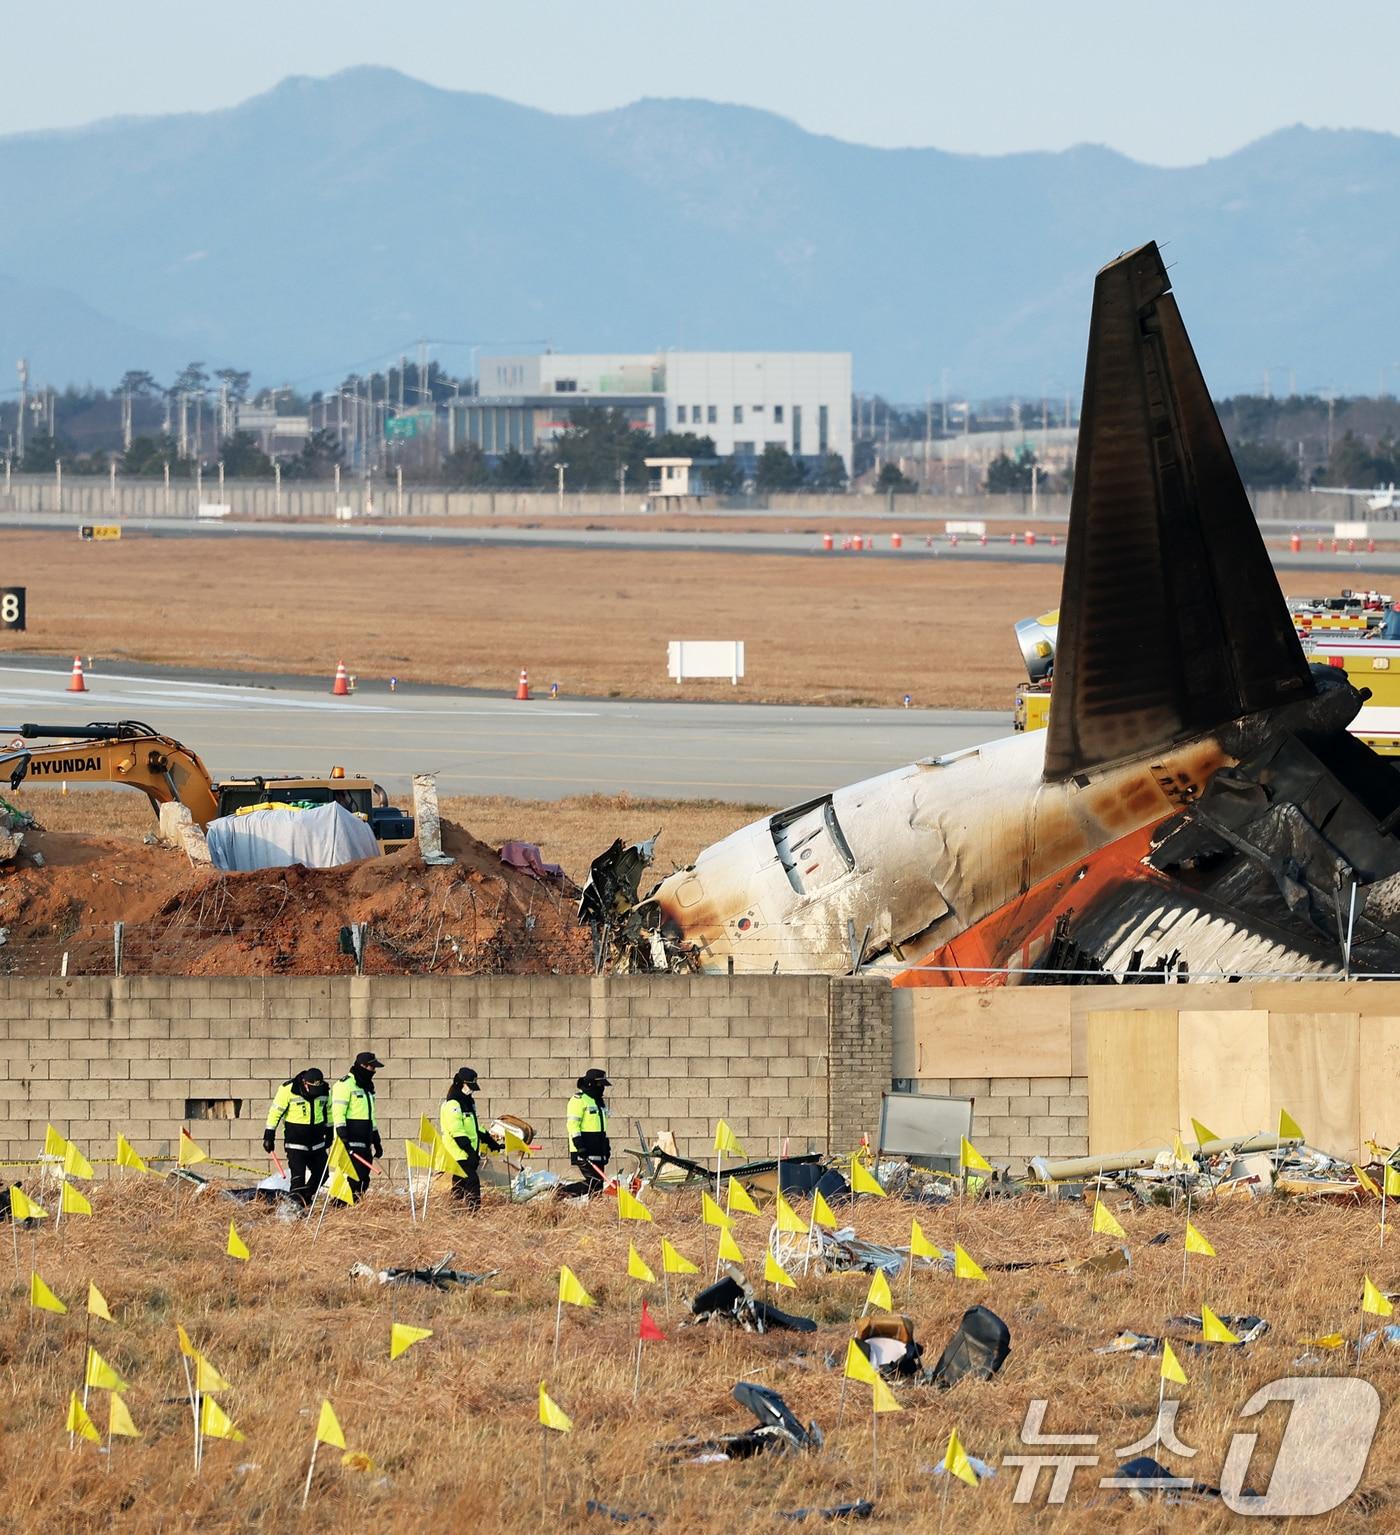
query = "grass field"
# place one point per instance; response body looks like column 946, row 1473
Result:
column 565, row 829
column 451, row 1426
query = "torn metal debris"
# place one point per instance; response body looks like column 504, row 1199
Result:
column 438, row 1277
column 627, row 931
column 976, row 1351
column 731, row 1299
column 777, row 1429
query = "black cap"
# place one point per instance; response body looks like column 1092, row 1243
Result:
column 311, row 1074
column 368, row 1058
column 467, row 1074
column 595, row 1077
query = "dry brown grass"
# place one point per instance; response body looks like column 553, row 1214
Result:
column 452, row 1424
column 570, row 831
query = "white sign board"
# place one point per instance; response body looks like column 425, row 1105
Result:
column 1350, row 530
column 705, row 658
column 973, row 529
column 213, row 509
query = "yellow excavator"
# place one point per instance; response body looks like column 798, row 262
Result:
column 165, row 770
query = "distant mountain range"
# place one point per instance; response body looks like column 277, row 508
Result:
column 332, row 221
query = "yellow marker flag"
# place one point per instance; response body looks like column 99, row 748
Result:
column 969, row 1158
column 1213, row 1329
column 1201, row 1133
column 339, row 1159
column 190, row 1153
column 788, row 1219
column 328, row 1430
column 1171, row 1365
column 1288, row 1127
column 119, row 1424
column 674, row 1262
column 630, row 1208
column 637, row 1267
column 23, row 1208
column 416, row 1157
column 1196, row 1243
column 1392, row 1182
column 97, row 1303
column 1365, row 1180
column 99, row 1374
column 858, row 1366
column 728, row 1247
column 446, row 1160
column 78, row 1421
column 882, row 1399
column 75, row 1164
column 1106, row 1223
column 215, row 1423
column 740, row 1199
column 775, row 1273
column 73, row 1201
column 513, row 1142
column 1178, row 1151
column 402, row 1337
column 338, row 1187
column 43, row 1298
column 552, row 1415
column 863, row 1181
column 427, row 1131
column 879, row 1292
column 726, row 1141
column 956, row 1463
column 54, row 1143
column 571, row 1292
column 822, row 1213
column 1328, row 1340
column 1373, row 1301
column 919, row 1244
column 237, row 1247
column 711, row 1213
column 206, row 1377
column 126, row 1156
column 963, row 1266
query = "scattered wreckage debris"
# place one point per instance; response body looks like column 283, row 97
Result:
column 1247, row 1329
column 593, row 1506
column 976, row 1351
column 777, row 1430
column 888, row 1342
column 438, row 1277
column 731, row 1299
column 627, row 931
column 862, row 1508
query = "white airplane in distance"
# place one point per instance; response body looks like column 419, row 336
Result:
column 1379, row 498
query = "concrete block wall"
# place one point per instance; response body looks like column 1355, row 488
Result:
column 1016, row 1118
column 860, row 1059
column 96, row 1056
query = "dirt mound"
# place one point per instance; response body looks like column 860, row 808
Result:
column 475, row 917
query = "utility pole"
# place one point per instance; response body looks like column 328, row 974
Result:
column 126, row 420
column 23, row 366
column 928, row 436
column 622, row 489
column 559, row 470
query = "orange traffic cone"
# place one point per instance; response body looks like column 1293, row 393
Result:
column 522, row 690
column 340, row 688
column 75, row 682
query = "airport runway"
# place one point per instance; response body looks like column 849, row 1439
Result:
column 479, row 744
column 1352, row 569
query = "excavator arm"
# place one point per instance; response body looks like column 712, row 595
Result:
column 123, row 752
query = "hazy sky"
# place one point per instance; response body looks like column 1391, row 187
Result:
column 983, row 76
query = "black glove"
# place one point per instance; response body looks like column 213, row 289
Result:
column 377, row 1146
column 269, row 1140
column 490, row 1141
column 342, row 1135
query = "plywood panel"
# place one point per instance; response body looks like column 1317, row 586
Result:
column 1314, row 1066
column 1132, row 1070
column 1223, row 1071
column 1000, row 1032
column 1379, row 1089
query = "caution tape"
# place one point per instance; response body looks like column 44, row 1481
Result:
column 57, row 1162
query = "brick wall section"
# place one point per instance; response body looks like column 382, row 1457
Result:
column 861, row 1042
column 1016, row 1118
column 97, row 1056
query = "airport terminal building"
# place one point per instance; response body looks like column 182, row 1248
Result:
column 743, row 400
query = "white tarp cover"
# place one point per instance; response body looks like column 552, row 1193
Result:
column 272, row 839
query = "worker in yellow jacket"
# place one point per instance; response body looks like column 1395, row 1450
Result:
column 301, row 1107
column 587, row 1122
column 354, row 1119
column 461, row 1129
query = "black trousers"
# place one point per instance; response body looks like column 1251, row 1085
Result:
column 468, row 1187
column 590, row 1171
column 359, row 1157
column 306, row 1167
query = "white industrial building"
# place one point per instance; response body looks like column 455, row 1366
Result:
column 742, row 400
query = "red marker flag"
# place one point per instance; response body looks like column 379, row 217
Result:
column 649, row 1332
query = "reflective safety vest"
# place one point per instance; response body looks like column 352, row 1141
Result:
column 352, row 1105
column 586, row 1116
column 458, row 1125
column 296, row 1110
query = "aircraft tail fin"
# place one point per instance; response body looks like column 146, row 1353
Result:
column 1171, row 617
